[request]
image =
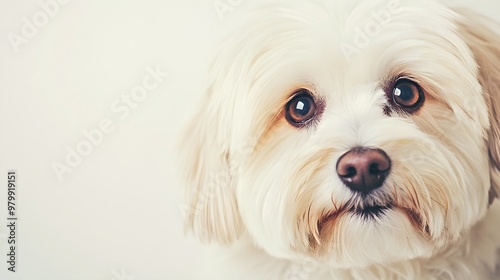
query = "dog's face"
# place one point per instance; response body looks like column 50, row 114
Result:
column 358, row 132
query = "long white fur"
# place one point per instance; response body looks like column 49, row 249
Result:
column 259, row 186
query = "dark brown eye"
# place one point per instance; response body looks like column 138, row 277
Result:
column 301, row 108
column 407, row 94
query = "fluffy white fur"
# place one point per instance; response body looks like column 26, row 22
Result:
column 266, row 192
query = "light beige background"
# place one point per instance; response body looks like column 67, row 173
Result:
column 116, row 216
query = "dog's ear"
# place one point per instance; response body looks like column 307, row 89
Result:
column 211, row 211
column 484, row 42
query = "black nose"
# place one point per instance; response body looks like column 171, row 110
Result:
column 363, row 169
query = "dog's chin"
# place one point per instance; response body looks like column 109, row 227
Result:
column 372, row 234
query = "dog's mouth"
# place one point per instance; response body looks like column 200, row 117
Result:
column 371, row 212
column 368, row 212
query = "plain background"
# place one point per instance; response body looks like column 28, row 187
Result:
column 117, row 215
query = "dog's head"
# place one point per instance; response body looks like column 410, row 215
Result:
column 354, row 132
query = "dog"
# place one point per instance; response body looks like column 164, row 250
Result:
column 350, row 140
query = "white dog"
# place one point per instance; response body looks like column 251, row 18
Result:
column 350, row 140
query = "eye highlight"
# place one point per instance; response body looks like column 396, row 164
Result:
column 301, row 108
column 407, row 95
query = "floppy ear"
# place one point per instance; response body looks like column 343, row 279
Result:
column 485, row 44
column 211, row 211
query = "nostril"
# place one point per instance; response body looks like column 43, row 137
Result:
column 348, row 171
column 376, row 168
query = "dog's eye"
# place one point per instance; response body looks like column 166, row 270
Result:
column 301, row 108
column 407, row 94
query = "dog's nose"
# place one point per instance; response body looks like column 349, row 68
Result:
column 363, row 169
